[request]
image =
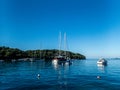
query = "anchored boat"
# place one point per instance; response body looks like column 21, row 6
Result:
column 102, row 61
column 61, row 58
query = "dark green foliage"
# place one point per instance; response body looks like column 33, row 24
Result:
column 50, row 54
column 7, row 53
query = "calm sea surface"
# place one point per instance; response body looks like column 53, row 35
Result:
column 80, row 75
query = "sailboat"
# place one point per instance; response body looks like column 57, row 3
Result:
column 61, row 58
column 33, row 57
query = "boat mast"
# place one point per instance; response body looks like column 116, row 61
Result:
column 60, row 43
column 40, row 51
column 65, row 45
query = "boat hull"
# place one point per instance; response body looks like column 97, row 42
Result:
column 61, row 61
column 102, row 62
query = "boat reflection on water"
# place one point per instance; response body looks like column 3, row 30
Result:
column 101, row 67
column 61, row 68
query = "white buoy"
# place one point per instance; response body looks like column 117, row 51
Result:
column 38, row 75
column 98, row 77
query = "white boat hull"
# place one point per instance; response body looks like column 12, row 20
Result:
column 102, row 62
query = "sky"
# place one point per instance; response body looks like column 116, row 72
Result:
column 92, row 26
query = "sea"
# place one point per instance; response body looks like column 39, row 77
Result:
column 46, row 75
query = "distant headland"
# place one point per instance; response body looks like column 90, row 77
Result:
column 7, row 53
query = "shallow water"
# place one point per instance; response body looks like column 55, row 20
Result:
column 80, row 75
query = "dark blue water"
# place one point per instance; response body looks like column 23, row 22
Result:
column 80, row 75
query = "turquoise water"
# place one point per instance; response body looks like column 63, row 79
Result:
column 80, row 75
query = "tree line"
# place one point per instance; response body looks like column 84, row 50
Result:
column 7, row 53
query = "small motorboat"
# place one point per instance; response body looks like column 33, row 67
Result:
column 102, row 61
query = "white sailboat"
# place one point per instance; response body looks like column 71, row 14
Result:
column 61, row 58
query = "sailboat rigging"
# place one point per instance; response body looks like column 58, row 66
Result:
column 61, row 57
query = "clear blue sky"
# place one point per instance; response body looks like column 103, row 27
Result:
column 92, row 26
